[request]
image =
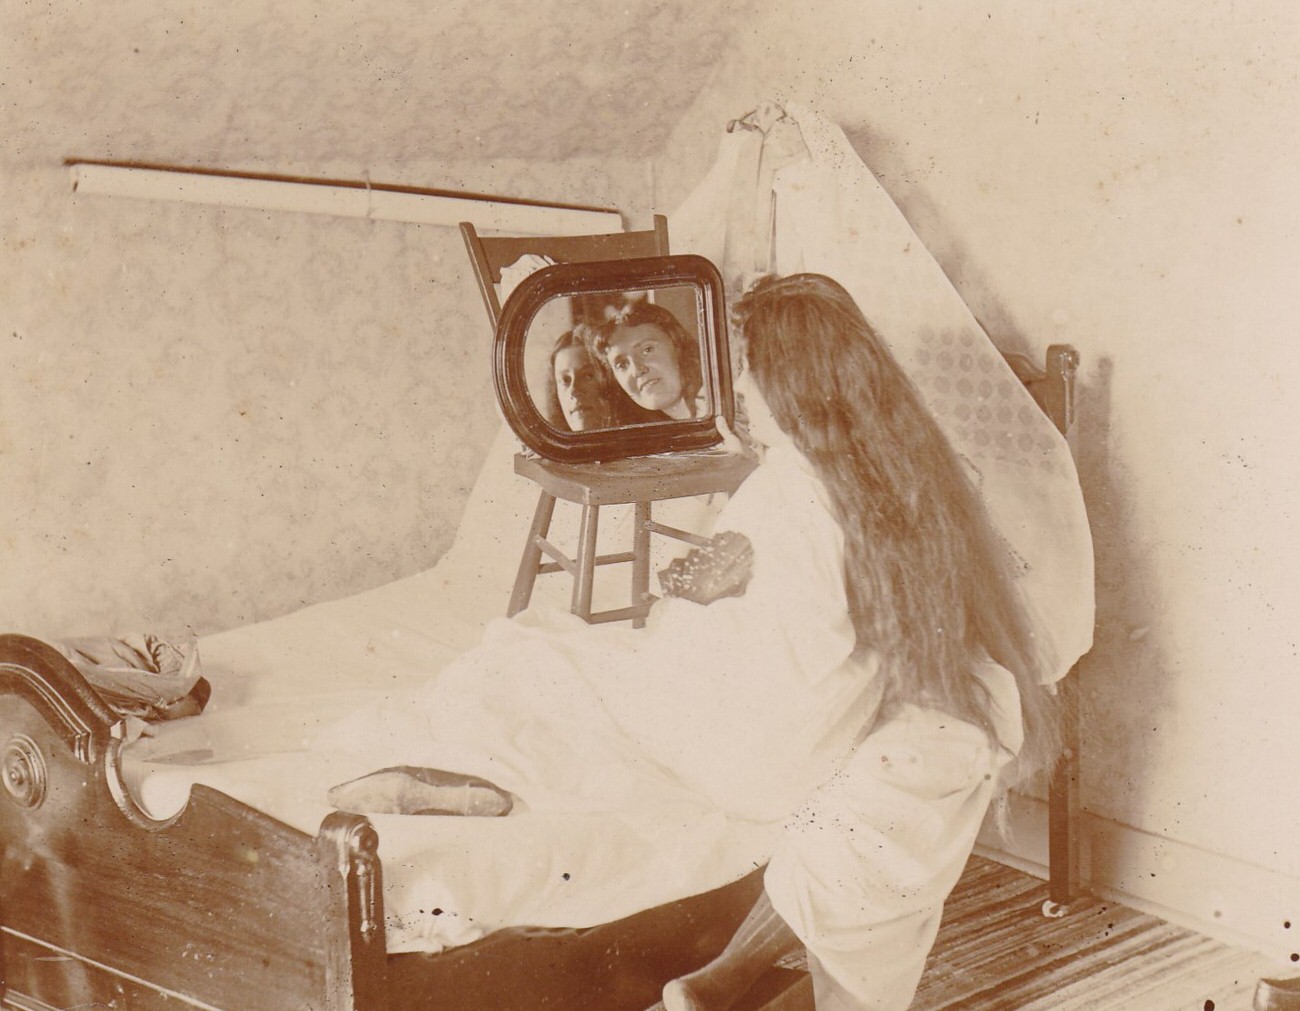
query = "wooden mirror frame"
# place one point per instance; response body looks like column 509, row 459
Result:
column 606, row 277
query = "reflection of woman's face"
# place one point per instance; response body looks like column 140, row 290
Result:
column 645, row 365
column 580, row 390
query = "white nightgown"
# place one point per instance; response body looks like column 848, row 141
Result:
column 742, row 705
column 861, row 873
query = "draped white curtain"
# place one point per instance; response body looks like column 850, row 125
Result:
column 787, row 193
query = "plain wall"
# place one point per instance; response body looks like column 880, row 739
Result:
column 1122, row 178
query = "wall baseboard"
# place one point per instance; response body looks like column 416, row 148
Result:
column 1230, row 900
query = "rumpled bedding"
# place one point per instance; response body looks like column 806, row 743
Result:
column 651, row 764
column 730, row 703
column 140, row 675
column 648, row 764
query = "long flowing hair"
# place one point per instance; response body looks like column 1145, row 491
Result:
column 929, row 583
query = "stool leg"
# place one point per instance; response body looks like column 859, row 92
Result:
column 527, row 574
column 585, row 576
column 641, row 562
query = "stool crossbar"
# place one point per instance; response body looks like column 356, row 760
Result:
column 639, row 482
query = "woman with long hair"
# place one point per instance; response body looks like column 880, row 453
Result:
column 861, row 872
column 842, row 672
column 929, row 583
column 654, row 359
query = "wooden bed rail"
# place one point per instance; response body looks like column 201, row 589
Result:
column 37, row 673
column 1053, row 388
column 217, row 907
column 1050, row 384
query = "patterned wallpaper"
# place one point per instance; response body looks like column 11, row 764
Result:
column 302, row 83
column 211, row 416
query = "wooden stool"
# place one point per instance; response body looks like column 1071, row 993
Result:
column 639, row 481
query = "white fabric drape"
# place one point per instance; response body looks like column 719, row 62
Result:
column 803, row 188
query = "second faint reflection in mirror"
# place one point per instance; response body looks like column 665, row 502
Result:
column 638, row 365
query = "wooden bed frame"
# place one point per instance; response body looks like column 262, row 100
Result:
column 1052, row 388
column 225, row 907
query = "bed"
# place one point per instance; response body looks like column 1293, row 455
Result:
column 212, row 903
column 222, row 906
column 205, row 901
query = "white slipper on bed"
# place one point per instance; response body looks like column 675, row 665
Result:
column 407, row 789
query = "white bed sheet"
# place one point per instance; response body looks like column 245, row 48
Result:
column 279, row 684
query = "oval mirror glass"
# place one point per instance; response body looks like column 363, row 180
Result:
column 607, row 360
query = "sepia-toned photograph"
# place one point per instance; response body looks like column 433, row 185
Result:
column 649, row 506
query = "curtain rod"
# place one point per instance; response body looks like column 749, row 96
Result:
column 341, row 197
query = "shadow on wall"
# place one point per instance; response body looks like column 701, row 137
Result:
column 1125, row 690
column 907, row 185
column 1125, row 694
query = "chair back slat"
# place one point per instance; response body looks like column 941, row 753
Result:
column 490, row 253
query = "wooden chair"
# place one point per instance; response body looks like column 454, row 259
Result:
column 636, row 482
column 488, row 254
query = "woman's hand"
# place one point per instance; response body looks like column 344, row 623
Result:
column 731, row 442
column 719, row 568
column 736, row 443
